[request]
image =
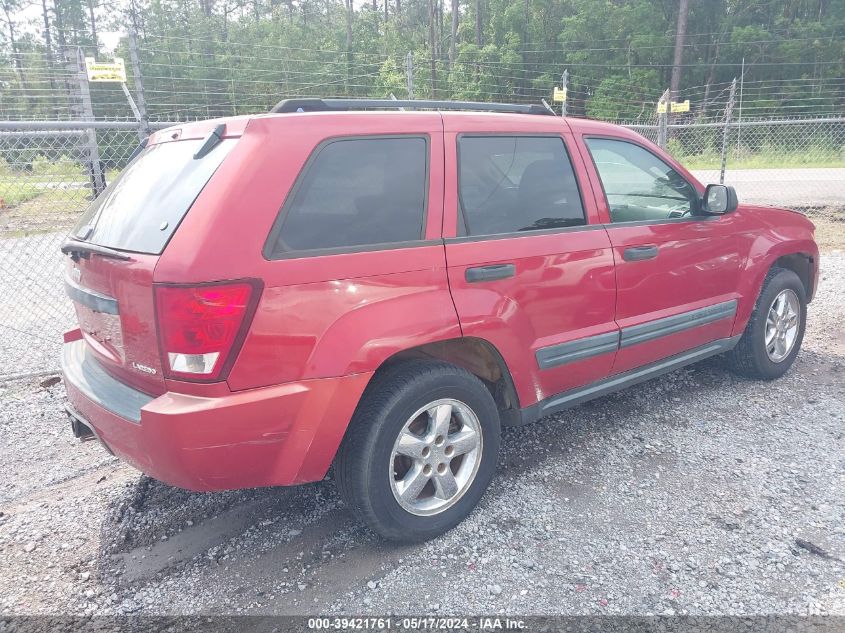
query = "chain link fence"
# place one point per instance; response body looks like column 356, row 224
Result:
column 47, row 178
column 796, row 163
column 50, row 171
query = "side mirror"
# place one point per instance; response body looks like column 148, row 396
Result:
column 720, row 199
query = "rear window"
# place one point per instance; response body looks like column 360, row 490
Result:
column 355, row 193
column 142, row 207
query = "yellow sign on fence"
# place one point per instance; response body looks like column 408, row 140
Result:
column 559, row 95
column 677, row 106
column 115, row 71
column 680, row 106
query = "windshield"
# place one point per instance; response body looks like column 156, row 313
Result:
column 141, row 209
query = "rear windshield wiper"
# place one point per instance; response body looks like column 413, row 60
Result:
column 76, row 249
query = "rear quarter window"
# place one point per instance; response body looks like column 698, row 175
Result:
column 353, row 193
column 141, row 209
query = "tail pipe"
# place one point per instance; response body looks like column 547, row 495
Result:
column 81, row 428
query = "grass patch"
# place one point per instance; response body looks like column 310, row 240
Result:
column 47, row 211
column 742, row 158
column 14, row 193
column 762, row 161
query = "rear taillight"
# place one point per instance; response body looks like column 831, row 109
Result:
column 201, row 328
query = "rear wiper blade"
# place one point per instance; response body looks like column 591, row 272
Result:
column 76, row 249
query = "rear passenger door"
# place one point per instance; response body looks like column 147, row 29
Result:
column 530, row 269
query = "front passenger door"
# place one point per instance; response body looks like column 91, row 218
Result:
column 677, row 271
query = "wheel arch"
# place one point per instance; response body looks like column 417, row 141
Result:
column 479, row 357
column 803, row 265
column 800, row 257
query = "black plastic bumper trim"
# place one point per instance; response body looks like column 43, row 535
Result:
column 82, row 370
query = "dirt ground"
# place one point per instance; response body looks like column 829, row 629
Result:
column 830, row 229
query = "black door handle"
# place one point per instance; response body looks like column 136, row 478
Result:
column 490, row 273
column 639, row 253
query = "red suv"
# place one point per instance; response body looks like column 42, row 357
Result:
column 331, row 284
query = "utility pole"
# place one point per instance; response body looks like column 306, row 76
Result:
column 48, row 56
column 409, row 73
column 739, row 117
column 75, row 59
column 680, row 34
column 564, row 80
column 453, row 41
column 432, row 44
column 663, row 120
column 140, row 98
column 726, row 131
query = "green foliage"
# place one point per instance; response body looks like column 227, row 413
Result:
column 14, row 193
column 207, row 58
column 391, row 80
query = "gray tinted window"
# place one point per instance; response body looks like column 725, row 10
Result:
column 516, row 183
column 357, row 192
column 142, row 207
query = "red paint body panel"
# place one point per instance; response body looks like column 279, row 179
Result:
column 563, row 290
column 701, row 261
column 324, row 324
column 769, row 234
column 282, row 435
column 343, row 326
column 697, row 265
column 130, row 336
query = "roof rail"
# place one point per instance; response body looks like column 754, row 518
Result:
column 339, row 105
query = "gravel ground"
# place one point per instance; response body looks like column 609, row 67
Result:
column 34, row 309
column 697, row 493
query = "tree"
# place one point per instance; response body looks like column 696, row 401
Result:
column 454, row 38
column 219, row 57
column 680, row 33
column 10, row 8
column 93, row 23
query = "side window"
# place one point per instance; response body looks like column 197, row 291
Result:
column 357, row 192
column 638, row 185
column 508, row 184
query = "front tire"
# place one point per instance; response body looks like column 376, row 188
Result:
column 774, row 333
column 420, row 450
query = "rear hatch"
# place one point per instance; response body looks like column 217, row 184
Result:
column 115, row 246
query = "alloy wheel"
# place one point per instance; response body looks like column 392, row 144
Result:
column 435, row 457
column 782, row 323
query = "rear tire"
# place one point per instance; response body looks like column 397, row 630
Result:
column 774, row 333
column 449, row 429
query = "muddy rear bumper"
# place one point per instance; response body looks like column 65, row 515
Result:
column 280, row 435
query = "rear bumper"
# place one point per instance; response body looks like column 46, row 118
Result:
column 280, row 435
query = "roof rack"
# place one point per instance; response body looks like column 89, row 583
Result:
column 340, row 105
